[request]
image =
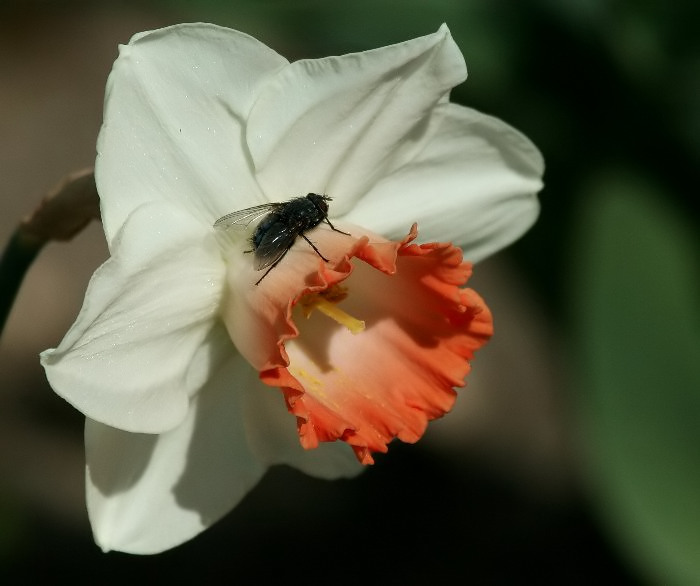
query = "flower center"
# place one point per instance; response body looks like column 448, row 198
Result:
column 326, row 302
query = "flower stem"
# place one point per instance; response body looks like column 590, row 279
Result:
column 60, row 215
column 16, row 259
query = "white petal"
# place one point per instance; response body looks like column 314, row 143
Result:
column 474, row 184
column 148, row 493
column 335, row 125
column 175, row 109
column 126, row 361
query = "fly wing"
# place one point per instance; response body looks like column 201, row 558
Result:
column 277, row 240
column 243, row 218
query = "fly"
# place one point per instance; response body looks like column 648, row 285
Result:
column 279, row 229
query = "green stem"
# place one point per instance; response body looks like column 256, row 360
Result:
column 14, row 263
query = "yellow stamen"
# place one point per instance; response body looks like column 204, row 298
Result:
column 309, row 380
column 326, row 302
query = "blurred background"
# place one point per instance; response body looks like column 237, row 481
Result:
column 572, row 457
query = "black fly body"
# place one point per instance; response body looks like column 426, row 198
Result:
column 279, row 229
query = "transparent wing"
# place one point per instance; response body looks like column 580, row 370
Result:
column 278, row 239
column 244, row 217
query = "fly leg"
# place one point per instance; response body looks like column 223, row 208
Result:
column 332, row 228
column 312, row 245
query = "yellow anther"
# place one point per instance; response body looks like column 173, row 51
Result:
column 326, row 302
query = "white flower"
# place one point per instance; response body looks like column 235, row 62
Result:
column 169, row 353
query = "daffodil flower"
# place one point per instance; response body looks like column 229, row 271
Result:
column 186, row 369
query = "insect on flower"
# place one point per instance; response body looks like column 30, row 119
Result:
column 279, row 229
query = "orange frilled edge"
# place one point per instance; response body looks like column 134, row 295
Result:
column 387, row 381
